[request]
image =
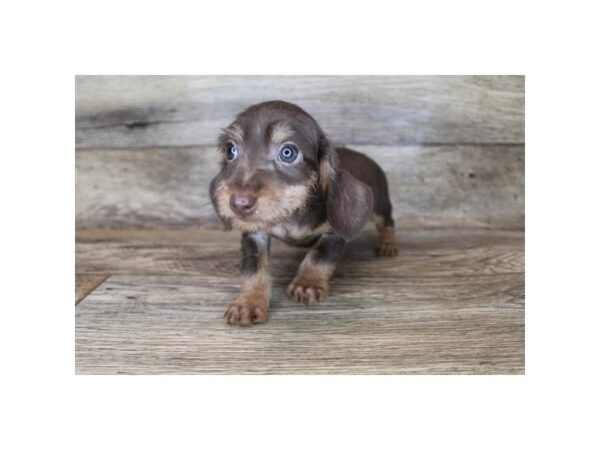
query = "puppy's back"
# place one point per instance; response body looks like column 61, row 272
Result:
column 368, row 171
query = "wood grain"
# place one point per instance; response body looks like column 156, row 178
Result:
column 86, row 283
column 150, row 111
column 451, row 302
column 435, row 252
column 144, row 188
column 442, row 185
column 174, row 325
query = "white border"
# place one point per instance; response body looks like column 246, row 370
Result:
column 46, row 43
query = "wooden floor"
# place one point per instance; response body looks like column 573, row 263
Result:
column 452, row 302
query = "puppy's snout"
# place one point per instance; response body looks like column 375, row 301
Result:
column 242, row 203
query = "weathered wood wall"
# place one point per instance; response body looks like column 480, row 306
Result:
column 444, row 185
column 453, row 146
column 387, row 110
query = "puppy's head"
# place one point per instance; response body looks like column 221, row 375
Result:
column 275, row 157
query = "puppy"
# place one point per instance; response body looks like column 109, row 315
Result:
column 281, row 177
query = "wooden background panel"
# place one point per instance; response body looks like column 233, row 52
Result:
column 144, row 188
column 150, row 111
column 444, row 185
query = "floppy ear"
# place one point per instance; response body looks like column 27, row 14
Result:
column 212, row 190
column 349, row 200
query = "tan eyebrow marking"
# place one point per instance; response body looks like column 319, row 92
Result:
column 235, row 132
column 281, row 132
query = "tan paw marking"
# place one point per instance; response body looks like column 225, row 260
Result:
column 386, row 245
column 307, row 290
column 247, row 309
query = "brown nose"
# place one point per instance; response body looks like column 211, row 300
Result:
column 242, row 203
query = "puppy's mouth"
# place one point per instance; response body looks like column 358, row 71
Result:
column 256, row 212
column 249, row 210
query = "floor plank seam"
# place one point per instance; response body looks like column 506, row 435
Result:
column 106, row 277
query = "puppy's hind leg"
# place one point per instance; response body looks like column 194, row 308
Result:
column 386, row 237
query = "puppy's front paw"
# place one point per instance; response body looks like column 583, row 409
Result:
column 247, row 309
column 308, row 290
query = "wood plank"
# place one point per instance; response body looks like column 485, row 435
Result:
column 399, row 325
column 85, row 284
column 147, row 111
column 434, row 252
column 445, row 186
column 145, row 188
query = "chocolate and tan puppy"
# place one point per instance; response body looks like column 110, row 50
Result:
column 281, row 177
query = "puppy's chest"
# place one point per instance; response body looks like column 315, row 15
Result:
column 295, row 233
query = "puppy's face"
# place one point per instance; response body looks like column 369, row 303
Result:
column 269, row 166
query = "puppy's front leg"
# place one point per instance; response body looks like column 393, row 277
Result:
column 252, row 304
column 311, row 284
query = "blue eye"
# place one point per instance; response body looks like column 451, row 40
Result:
column 231, row 151
column 288, row 154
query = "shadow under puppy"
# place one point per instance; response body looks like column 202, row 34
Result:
column 281, row 177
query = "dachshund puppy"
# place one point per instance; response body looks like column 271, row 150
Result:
column 281, row 177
